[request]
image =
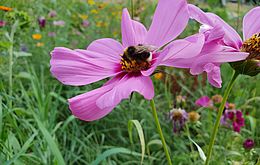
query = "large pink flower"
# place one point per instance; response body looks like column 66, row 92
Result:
column 222, row 42
column 129, row 64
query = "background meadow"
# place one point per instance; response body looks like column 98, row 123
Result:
column 36, row 126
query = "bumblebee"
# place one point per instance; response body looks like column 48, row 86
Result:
column 139, row 53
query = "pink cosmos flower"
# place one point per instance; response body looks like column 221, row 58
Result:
column 204, row 101
column 129, row 64
column 222, row 42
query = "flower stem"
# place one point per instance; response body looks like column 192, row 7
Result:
column 159, row 129
column 132, row 8
column 220, row 112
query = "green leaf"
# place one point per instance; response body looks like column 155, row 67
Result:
column 113, row 151
column 201, row 153
column 53, row 146
column 140, row 134
column 153, row 142
column 22, row 54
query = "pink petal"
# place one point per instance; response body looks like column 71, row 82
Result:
column 78, row 68
column 231, row 37
column 183, row 50
column 170, row 19
column 84, row 106
column 214, row 74
column 216, row 58
column 199, row 15
column 128, row 84
column 251, row 23
column 107, row 47
column 133, row 32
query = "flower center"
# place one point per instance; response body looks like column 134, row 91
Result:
column 136, row 58
column 252, row 46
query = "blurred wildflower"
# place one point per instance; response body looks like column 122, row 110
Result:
column 4, row 8
column 37, row 36
column 51, row 34
column 85, row 23
column 158, row 76
column 217, row 99
column 91, row 2
column 93, row 11
column 58, row 23
column 40, row 44
column 129, row 69
column 204, row 101
column 180, row 99
column 231, row 106
column 249, row 144
column 42, row 21
column 83, row 16
column 23, row 48
column 52, row 14
column 2, row 23
column 235, row 117
column 178, row 118
column 193, row 116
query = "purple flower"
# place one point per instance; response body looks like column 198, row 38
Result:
column 178, row 118
column 58, row 23
column 235, row 117
column 51, row 34
column 130, row 70
column 249, row 144
column 2, row 23
column 85, row 23
column 41, row 22
column 204, row 101
column 23, row 48
column 52, row 13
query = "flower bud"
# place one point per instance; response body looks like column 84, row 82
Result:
column 193, row 116
column 217, row 99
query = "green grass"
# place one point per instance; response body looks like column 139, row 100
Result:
column 39, row 129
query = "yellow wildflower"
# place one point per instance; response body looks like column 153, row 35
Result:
column 91, row 2
column 158, row 76
column 99, row 24
column 93, row 11
column 83, row 16
column 40, row 44
column 37, row 36
column 4, row 8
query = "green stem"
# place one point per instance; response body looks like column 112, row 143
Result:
column 220, row 112
column 132, row 8
column 159, row 129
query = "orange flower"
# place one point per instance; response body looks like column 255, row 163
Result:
column 37, row 36
column 4, row 8
column 158, row 76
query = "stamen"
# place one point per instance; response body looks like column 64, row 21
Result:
column 252, row 46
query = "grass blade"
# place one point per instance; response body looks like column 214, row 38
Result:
column 140, row 134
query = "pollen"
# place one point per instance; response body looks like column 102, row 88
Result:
column 252, row 46
column 134, row 65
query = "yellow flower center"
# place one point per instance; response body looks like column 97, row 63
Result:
column 252, row 46
column 136, row 58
